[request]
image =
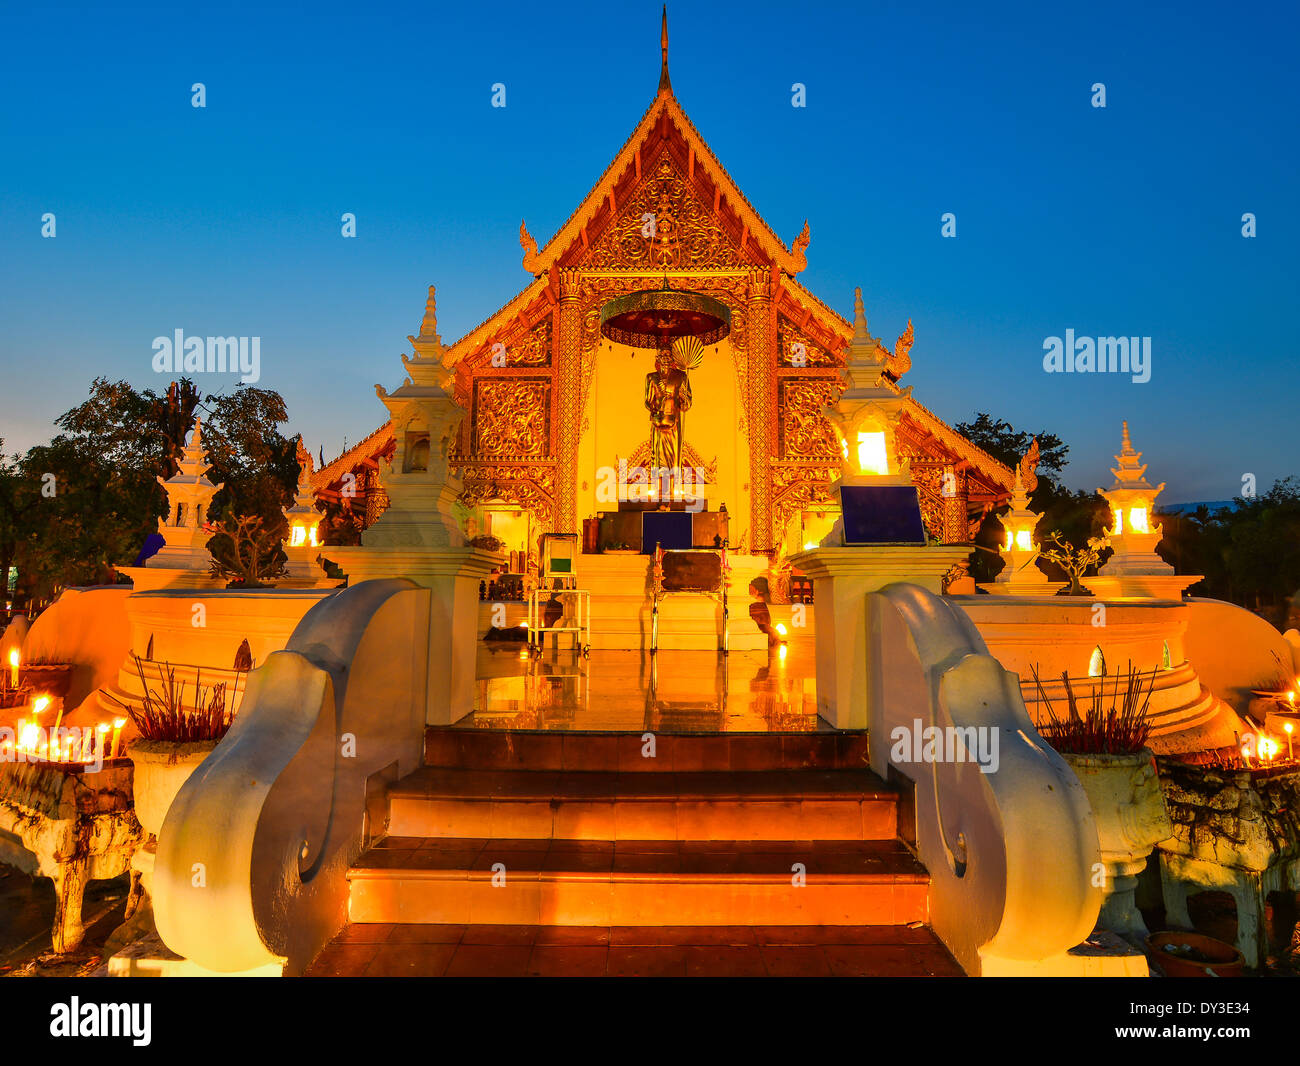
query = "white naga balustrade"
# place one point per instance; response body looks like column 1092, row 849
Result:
column 254, row 853
column 1011, row 853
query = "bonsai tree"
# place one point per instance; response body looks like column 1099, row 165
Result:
column 1074, row 561
column 246, row 551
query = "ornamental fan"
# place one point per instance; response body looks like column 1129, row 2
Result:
column 689, row 352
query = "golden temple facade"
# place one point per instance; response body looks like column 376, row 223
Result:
column 553, row 407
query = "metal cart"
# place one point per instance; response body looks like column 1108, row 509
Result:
column 559, row 580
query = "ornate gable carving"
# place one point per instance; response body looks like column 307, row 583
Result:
column 664, row 226
column 796, row 349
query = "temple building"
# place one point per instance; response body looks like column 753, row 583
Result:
column 672, row 447
column 558, row 422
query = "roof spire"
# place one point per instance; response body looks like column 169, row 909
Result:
column 664, row 84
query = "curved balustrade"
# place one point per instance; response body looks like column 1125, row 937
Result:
column 1011, row 852
column 253, row 855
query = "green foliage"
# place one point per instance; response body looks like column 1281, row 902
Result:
column 1249, row 553
column 74, row 508
column 1007, row 445
column 1077, row 516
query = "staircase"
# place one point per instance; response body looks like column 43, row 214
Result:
column 713, row 838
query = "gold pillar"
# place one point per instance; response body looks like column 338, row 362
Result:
column 956, row 526
column 567, row 390
column 761, row 331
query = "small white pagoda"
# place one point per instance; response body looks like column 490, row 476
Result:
column 1135, row 570
column 184, row 560
column 303, row 547
column 1021, row 575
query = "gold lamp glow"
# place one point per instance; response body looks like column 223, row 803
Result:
column 873, row 456
column 304, row 521
column 304, row 533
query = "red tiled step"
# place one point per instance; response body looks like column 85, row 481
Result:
column 497, row 749
column 389, row 950
column 745, row 805
column 676, row 883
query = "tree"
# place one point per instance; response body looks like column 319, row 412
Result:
column 257, row 463
column 1077, row 516
column 1007, row 445
column 243, row 550
column 1073, row 562
column 101, row 497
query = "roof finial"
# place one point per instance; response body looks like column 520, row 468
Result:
column 429, row 325
column 664, row 84
column 859, row 317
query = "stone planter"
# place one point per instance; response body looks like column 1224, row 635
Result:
column 161, row 768
column 69, row 824
column 1124, row 792
column 1235, row 831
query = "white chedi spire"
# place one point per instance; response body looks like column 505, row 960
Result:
column 189, row 496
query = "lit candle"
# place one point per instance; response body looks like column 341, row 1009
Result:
column 13, row 667
column 118, row 723
column 1289, row 728
column 101, row 731
column 1245, row 750
column 86, row 736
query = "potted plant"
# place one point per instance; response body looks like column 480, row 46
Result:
column 174, row 737
column 1106, row 748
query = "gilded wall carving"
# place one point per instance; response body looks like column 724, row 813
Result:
column 531, row 487
column 512, row 418
column 806, row 433
column 796, row 486
column 680, row 232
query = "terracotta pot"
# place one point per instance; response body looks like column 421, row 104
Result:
column 161, row 768
column 1208, row 957
column 47, row 679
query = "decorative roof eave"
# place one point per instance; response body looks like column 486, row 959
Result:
column 975, row 455
column 480, row 334
column 791, row 260
column 840, row 329
column 368, row 446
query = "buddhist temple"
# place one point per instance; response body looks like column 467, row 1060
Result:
column 555, row 412
column 639, row 641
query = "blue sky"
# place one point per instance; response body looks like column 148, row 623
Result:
column 225, row 220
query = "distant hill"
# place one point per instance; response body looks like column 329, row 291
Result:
column 1187, row 508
